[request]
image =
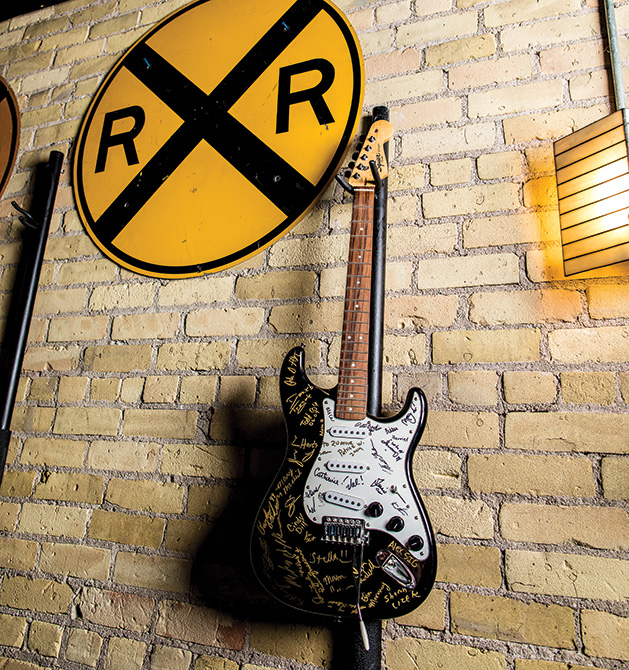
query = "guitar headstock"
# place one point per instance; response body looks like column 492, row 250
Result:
column 372, row 153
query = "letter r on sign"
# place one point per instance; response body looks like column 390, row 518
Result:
column 108, row 139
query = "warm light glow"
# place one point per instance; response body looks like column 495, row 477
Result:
column 593, row 190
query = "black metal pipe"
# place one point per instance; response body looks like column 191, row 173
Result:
column 37, row 225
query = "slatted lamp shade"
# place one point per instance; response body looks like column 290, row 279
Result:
column 593, row 190
column 593, row 180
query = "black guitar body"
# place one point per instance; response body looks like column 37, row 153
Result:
column 343, row 522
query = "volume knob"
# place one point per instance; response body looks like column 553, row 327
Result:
column 415, row 543
column 375, row 509
column 395, row 524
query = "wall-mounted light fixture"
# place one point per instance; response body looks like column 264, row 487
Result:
column 593, row 181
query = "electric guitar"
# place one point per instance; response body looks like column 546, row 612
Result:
column 342, row 530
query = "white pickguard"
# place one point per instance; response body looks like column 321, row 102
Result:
column 364, row 462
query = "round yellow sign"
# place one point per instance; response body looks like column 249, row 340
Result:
column 9, row 133
column 217, row 132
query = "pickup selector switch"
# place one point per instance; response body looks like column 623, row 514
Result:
column 375, row 509
column 395, row 524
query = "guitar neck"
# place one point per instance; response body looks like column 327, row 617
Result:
column 351, row 402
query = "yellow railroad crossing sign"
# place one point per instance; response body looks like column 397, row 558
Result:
column 216, row 132
column 9, row 133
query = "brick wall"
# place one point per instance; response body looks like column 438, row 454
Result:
column 148, row 425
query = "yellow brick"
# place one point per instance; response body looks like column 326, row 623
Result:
column 69, row 247
column 160, row 573
column 456, row 517
column 276, row 285
column 122, row 296
column 470, row 200
column 193, row 356
column 170, row 658
column 588, row 387
column 186, row 535
column 521, row 386
column 119, row 455
column 131, row 389
column 474, row 346
column 148, row 496
column 591, row 85
column 204, row 290
column 608, row 301
column 512, row 620
column 571, row 575
column 160, row 389
column 555, row 30
column 125, row 653
column 54, row 302
column 437, row 470
column 163, row 325
column 52, row 358
column 71, row 389
column 70, row 487
column 226, row 321
column 439, row 29
column 468, row 564
column 38, row 595
column 391, row 63
column 107, row 389
column 115, row 25
column 373, row 42
column 306, row 251
column 420, row 311
column 570, row 57
column 425, row 239
column 45, row 638
column 12, row 630
column 32, row 419
column 492, row 73
column 116, row 609
column 235, row 425
column 8, row 516
column 71, row 329
column 87, row 421
column 86, row 271
column 307, row 318
column 431, row 614
column 419, row 115
column 17, row 554
column 195, row 390
column 433, row 654
column 93, row 13
column 475, row 430
column 473, row 387
column 568, row 431
column 549, row 125
column 166, row 423
column 468, row 48
column 83, row 646
column 604, row 528
column 118, row 358
column 531, row 475
column 57, row 520
column 209, row 501
column 520, row 307
column 141, row 531
column 69, row 453
column 74, row 560
column 443, row 141
column 405, row 86
column 238, row 390
column 515, row 11
column 201, row 461
column 456, row 171
column 304, row 643
column 616, row 477
column 43, row 389
column 605, row 634
column 499, row 165
column 17, row 484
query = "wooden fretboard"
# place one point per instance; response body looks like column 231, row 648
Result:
column 351, row 402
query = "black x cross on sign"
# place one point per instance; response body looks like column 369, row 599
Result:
column 151, row 121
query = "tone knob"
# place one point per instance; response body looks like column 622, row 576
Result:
column 415, row 543
column 375, row 509
column 395, row 524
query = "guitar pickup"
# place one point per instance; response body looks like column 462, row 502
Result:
column 344, row 531
column 343, row 500
column 346, row 466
